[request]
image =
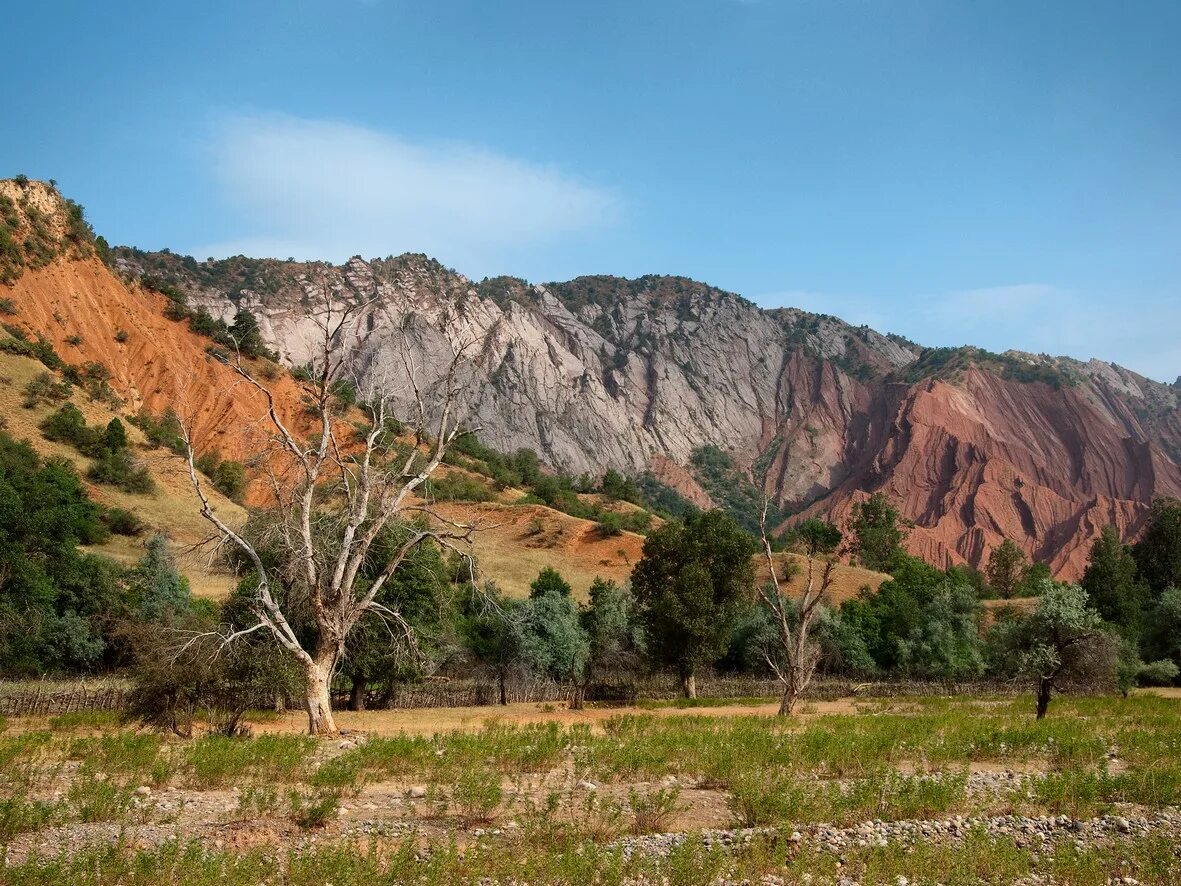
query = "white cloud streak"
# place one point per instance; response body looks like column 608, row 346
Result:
column 1034, row 317
column 328, row 190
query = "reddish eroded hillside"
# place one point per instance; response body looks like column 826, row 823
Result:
column 90, row 315
column 985, row 459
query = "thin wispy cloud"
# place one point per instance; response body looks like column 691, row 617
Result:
column 1034, row 317
column 328, row 190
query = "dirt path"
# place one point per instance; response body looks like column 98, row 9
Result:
column 427, row 721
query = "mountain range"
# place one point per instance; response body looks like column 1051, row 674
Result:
column 701, row 392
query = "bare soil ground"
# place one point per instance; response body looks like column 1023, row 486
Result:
column 428, row 721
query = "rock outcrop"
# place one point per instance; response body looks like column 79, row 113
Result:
column 637, row 375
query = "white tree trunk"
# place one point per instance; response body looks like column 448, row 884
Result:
column 319, row 699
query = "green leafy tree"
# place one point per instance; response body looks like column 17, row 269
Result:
column 1162, row 632
column 922, row 623
column 1111, row 584
column 1006, row 564
column 57, row 605
column 115, row 436
column 877, row 532
column 1062, row 644
column 553, row 643
column 1158, row 552
column 491, row 631
column 550, row 581
column 1033, row 578
column 614, row 638
column 160, row 594
column 689, row 586
column 814, row 537
column 383, row 653
column 245, row 332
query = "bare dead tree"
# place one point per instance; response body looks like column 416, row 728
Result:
column 794, row 653
column 334, row 493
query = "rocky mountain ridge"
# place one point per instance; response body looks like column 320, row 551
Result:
column 638, row 375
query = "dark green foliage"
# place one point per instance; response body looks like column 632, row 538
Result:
column 616, row 486
column 380, row 654
column 114, row 463
column 690, row 586
column 814, row 537
column 1033, row 579
column 953, row 362
column 159, row 594
column 731, row 489
column 123, row 522
column 56, row 604
column 609, row 620
column 663, row 499
column 119, row 468
column 556, row 490
column 877, row 533
column 164, row 431
column 40, row 349
column 1158, row 552
column 1006, row 564
column 1162, row 628
column 610, row 524
column 229, row 478
column 68, row 425
column 922, row 623
column 245, row 332
column 457, row 486
column 550, row 582
column 491, row 632
column 1111, row 584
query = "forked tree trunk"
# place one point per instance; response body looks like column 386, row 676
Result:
column 689, row 685
column 1044, row 688
column 319, row 699
column 787, row 704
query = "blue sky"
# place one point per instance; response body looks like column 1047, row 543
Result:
column 1001, row 173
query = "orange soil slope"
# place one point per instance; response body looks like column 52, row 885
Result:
column 160, row 365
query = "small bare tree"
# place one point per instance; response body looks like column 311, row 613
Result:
column 334, row 495
column 793, row 653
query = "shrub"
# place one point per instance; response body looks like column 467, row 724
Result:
column 45, row 388
column 123, row 522
column 68, row 425
column 121, row 336
column 163, row 431
column 229, row 478
column 477, row 794
column 117, row 467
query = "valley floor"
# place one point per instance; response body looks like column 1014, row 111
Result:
column 893, row 791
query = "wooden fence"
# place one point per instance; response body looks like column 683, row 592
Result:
column 63, row 697
column 55, row 700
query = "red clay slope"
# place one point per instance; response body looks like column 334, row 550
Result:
column 985, row 459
